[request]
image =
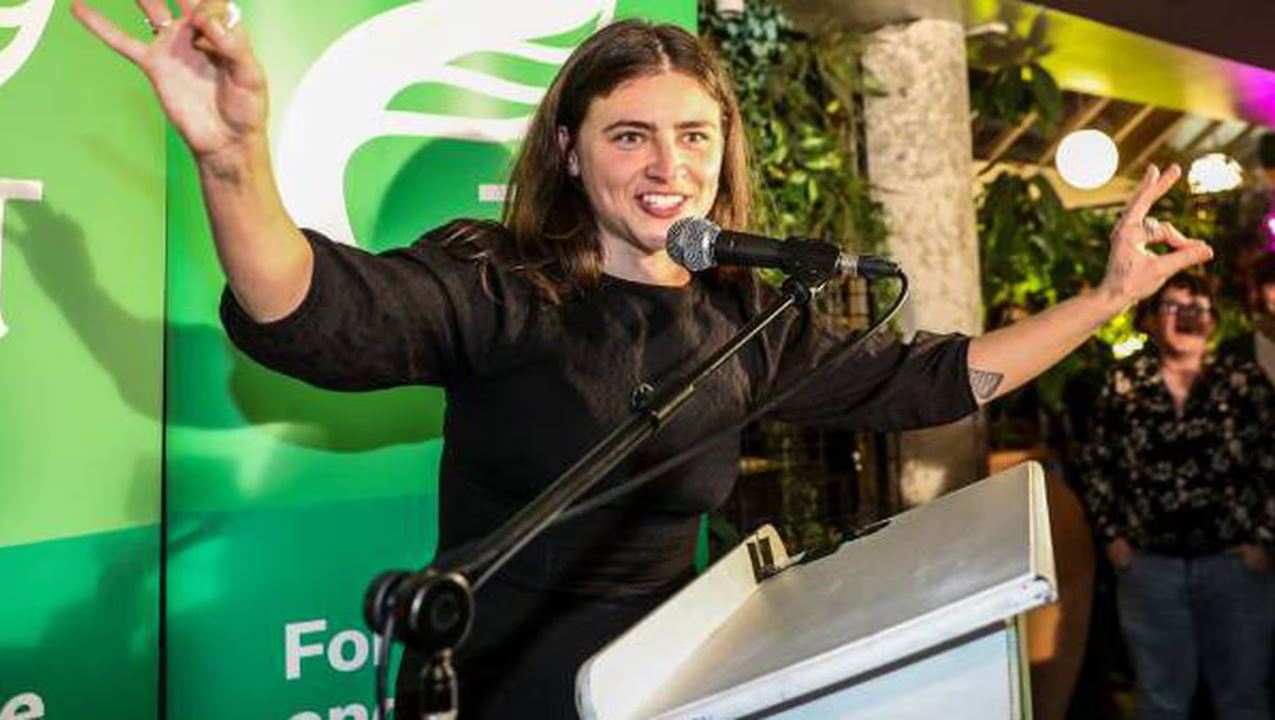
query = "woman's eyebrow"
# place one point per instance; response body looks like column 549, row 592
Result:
column 650, row 127
column 634, row 124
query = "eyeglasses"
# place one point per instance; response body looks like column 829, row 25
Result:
column 1194, row 310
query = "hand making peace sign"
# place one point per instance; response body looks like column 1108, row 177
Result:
column 202, row 67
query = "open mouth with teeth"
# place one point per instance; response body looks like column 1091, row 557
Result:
column 662, row 205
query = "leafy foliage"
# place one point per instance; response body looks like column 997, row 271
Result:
column 1007, row 80
column 1035, row 252
column 797, row 96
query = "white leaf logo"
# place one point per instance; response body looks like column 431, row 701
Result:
column 361, row 88
column 30, row 19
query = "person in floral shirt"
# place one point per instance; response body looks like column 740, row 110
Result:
column 1178, row 477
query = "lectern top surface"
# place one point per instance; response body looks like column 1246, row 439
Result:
column 959, row 563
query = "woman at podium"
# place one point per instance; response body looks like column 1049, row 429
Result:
column 540, row 325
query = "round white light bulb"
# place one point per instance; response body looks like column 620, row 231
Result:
column 1087, row 159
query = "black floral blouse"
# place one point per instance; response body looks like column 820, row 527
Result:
column 1187, row 485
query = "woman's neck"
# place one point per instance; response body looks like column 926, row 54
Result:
column 649, row 269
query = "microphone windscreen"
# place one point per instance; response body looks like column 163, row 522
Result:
column 690, row 243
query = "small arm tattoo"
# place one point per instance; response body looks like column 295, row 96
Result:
column 984, row 384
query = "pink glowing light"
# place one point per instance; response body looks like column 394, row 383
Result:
column 1255, row 89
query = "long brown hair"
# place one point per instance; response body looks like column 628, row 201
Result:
column 548, row 230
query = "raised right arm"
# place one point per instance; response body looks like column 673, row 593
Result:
column 213, row 90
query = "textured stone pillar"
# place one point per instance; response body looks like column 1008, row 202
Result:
column 919, row 150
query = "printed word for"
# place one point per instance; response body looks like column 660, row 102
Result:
column 345, row 651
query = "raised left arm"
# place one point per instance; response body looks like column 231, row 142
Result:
column 1005, row 359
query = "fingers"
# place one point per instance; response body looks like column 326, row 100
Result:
column 1168, row 234
column 105, row 30
column 1174, row 237
column 1135, row 210
column 210, row 20
column 1155, row 232
column 219, row 33
column 1186, row 252
column 156, row 12
column 1153, row 187
column 1186, row 255
column 186, row 6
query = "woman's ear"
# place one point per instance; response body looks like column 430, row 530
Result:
column 564, row 144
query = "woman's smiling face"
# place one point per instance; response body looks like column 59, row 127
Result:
column 646, row 154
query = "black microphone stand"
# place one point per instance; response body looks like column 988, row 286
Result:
column 431, row 610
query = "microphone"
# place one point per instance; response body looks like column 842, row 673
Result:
column 698, row 244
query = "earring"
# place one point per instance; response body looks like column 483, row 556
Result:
column 573, row 165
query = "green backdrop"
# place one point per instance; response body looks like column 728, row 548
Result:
column 284, row 501
column 81, row 298
column 116, row 378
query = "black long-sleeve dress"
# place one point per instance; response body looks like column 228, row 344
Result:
column 532, row 385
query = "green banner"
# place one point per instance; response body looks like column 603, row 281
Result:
column 81, row 331
column 389, row 118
